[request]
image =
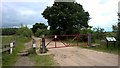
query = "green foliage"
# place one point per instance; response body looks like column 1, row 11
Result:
column 37, row 26
column 9, row 31
column 118, row 34
column 40, row 32
column 110, row 34
column 66, row 17
column 98, row 33
column 115, row 28
column 24, row 31
column 85, row 31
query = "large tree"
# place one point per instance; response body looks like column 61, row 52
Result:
column 66, row 17
column 38, row 26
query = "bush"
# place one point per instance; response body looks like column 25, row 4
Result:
column 84, row 31
column 24, row 32
column 98, row 33
column 40, row 32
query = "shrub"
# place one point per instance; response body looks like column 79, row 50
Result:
column 84, row 31
column 24, row 31
column 98, row 33
column 40, row 32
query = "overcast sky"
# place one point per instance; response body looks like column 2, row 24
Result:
column 103, row 13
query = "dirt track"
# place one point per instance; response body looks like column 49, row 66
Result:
column 74, row 56
column 25, row 60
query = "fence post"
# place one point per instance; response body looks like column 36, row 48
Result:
column 89, row 39
column 11, row 47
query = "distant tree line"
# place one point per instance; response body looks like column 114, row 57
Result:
column 9, row 31
column 23, row 31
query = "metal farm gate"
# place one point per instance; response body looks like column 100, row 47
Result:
column 59, row 41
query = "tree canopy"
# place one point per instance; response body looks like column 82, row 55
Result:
column 38, row 26
column 115, row 28
column 66, row 17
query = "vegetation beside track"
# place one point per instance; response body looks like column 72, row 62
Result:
column 99, row 46
column 10, row 59
column 41, row 60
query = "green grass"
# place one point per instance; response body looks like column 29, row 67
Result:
column 6, row 40
column 103, row 48
column 45, row 60
column 41, row 60
column 10, row 59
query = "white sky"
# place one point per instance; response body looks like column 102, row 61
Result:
column 103, row 13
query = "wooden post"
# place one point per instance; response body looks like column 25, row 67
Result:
column 11, row 47
column 34, row 46
column 55, row 40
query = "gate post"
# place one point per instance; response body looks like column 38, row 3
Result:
column 67, row 40
column 55, row 40
column 42, row 46
column 77, row 39
column 89, row 39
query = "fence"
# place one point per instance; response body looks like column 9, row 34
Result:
column 8, row 47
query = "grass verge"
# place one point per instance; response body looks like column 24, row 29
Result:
column 103, row 48
column 41, row 60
